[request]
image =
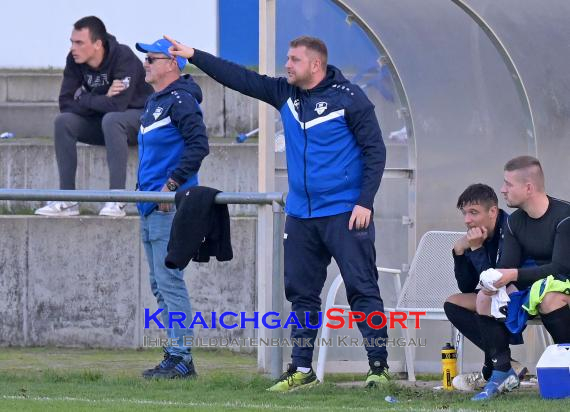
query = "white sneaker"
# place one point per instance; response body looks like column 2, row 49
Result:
column 59, row 208
column 113, row 209
column 469, row 382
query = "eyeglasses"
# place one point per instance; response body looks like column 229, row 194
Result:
column 150, row 59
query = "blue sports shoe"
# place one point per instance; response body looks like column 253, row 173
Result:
column 171, row 367
column 163, row 364
column 498, row 383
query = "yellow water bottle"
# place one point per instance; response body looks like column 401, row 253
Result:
column 448, row 365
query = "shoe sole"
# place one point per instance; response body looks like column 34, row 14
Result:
column 375, row 385
column 112, row 215
column 298, row 388
column 157, row 376
column 469, row 389
column 62, row 214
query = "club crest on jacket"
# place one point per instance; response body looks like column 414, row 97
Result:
column 157, row 112
column 321, row 107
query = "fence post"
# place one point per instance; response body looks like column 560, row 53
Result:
column 277, row 289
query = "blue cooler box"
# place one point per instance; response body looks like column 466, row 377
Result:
column 553, row 372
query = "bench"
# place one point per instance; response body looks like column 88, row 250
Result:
column 430, row 281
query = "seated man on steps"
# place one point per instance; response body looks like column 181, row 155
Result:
column 474, row 253
column 101, row 99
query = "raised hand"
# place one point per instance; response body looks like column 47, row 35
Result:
column 476, row 236
column 179, row 49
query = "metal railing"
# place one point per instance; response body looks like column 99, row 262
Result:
column 276, row 199
column 136, row 196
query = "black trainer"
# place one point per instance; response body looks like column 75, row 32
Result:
column 163, row 364
column 176, row 368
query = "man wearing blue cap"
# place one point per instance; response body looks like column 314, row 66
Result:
column 172, row 144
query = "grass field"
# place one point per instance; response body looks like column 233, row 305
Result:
column 49, row 379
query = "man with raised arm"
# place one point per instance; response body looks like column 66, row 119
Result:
column 336, row 158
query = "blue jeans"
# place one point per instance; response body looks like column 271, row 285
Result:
column 167, row 285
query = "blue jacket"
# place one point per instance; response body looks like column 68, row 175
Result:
column 335, row 152
column 469, row 266
column 172, row 139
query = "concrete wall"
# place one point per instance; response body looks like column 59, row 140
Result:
column 83, row 281
column 28, row 105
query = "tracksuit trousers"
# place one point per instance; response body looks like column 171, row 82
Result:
column 309, row 245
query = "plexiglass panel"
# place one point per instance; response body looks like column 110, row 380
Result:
column 460, row 87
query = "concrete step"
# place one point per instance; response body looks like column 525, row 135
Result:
column 30, row 164
column 28, row 119
column 28, row 105
column 34, row 86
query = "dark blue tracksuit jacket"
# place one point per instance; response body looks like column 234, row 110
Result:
column 335, row 152
column 469, row 266
column 172, row 139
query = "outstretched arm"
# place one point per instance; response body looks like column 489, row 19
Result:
column 274, row 91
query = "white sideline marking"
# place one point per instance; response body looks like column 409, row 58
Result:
column 171, row 403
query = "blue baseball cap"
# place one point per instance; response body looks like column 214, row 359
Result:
column 161, row 46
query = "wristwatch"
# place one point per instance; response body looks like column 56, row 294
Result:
column 171, row 185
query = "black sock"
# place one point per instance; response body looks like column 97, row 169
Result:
column 487, row 369
column 495, row 338
column 557, row 323
column 465, row 322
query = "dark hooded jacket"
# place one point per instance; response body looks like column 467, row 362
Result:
column 469, row 266
column 83, row 90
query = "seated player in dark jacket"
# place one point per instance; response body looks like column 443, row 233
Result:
column 474, row 253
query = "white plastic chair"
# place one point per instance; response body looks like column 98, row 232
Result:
column 431, row 280
column 330, row 303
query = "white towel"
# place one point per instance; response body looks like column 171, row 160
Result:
column 500, row 299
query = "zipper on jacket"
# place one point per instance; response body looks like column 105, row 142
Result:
column 305, row 168
column 300, row 113
column 141, row 156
